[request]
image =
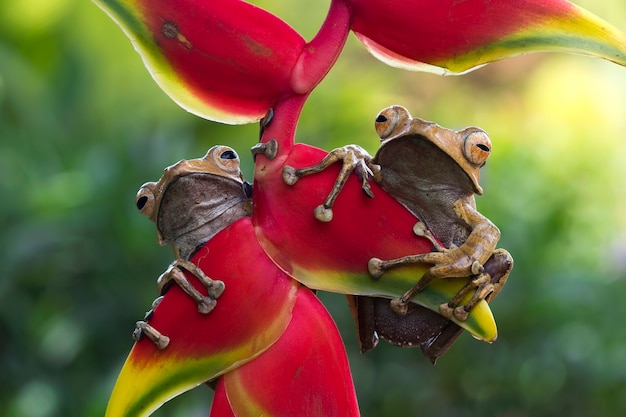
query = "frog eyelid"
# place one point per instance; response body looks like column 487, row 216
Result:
column 476, row 146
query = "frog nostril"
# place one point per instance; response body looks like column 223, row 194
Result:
column 141, row 202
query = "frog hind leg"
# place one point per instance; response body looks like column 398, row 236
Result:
column 487, row 282
column 486, row 286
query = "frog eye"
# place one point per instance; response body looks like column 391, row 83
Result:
column 225, row 158
column 145, row 199
column 389, row 119
column 476, row 146
column 228, row 154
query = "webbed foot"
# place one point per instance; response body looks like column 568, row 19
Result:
column 142, row 328
column 174, row 273
column 354, row 159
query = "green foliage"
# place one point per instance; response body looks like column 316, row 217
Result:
column 82, row 126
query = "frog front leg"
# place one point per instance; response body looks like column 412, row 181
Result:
column 174, row 275
column 142, row 328
column 354, row 159
column 462, row 261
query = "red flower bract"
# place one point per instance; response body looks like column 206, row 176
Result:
column 227, row 60
column 451, row 36
column 199, row 46
column 230, row 61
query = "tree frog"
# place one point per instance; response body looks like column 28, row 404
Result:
column 191, row 203
column 433, row 172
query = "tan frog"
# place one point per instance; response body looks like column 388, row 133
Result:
column 191, row 203
column 434, row 173
column 188, row 214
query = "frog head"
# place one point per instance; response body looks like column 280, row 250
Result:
column 468, row 148
column 195, row 199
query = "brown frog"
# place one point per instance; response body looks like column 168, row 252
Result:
column 195, row 199
column 434, row 173
column 191, row 203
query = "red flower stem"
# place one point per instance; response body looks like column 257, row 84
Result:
column 283, row 125
column 320, row 54
column 317, row 58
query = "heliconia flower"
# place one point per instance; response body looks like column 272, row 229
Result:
column 230, row 61
column 449, row 36
column 227, row 60
column 165, row 33
column 265, row 332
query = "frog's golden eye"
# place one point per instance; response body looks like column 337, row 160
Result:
column 145, row 199
column 225, row 158
column 389, row 119
column 476, row 146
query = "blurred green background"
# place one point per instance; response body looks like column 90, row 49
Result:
column 82, row 126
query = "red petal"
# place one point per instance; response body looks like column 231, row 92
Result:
column 461, row 35
column 220, row 407
column 224, row 60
